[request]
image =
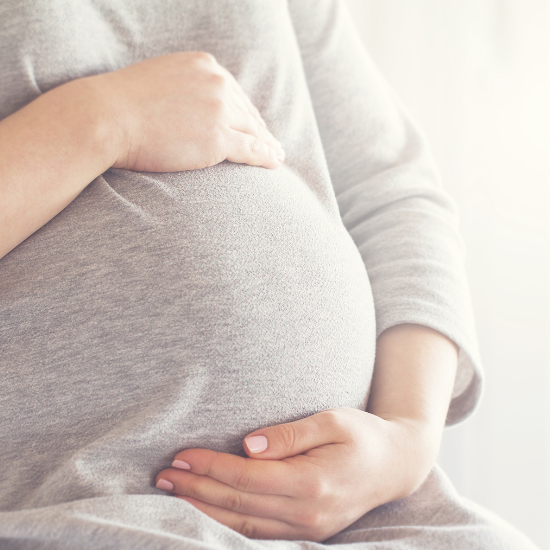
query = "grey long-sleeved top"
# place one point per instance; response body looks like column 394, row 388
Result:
column 159, row 312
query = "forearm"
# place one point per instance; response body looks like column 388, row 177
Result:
column 413, row 378
column 50, row 150
column 177, row 112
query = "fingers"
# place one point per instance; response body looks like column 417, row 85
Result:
column 252, row 527
column 247, row 119
column 249, row 106
column 306, row 489
column 244, row 121
column 293, row 438
column 211, row 491
column 246, row 148
column 245, row 474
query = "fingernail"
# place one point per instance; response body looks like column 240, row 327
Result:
column 256, row 443
column 280, row 158
column 181, row 464
column 262, row 122
column 165, row 485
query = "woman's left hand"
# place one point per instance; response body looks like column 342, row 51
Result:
column 307, row 479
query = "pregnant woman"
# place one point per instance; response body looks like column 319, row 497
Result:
column 232, row 301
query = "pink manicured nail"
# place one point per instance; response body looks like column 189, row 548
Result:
column 256, row 443
column 181, row 464
column 165, row 485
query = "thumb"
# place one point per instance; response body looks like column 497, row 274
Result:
column 294, row 438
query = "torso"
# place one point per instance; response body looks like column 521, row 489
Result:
column 164, row 311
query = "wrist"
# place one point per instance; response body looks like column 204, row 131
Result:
column 96, row 113
column 417, row 443
column 427, row 431
column 51, row 149
column 411, row 390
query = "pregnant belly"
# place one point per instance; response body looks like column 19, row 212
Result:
column 162, row 312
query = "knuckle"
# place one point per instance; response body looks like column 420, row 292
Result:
column 243, row 481
column 255, row 146
column 191, row 490
column 332, row 419
column 217, row 105
column 204, row 57
column 218, row 80
column 287, row 433
column 232, row 501
column 247, row 529
column 312, row 519
column 209, row 465
column 318, row 489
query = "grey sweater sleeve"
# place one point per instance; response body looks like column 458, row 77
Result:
column 388, row 190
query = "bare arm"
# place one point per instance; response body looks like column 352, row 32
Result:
column 49, row 151
column 176, row 112
column 413, row 379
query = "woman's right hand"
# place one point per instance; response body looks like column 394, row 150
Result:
column 183, row 111
column 177, row 112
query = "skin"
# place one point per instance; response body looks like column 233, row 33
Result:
column 177, row 112
column 321, row 473
column 181, row 112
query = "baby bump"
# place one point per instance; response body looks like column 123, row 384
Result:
column 159, row 312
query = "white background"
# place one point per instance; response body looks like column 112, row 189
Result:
column 475, row 74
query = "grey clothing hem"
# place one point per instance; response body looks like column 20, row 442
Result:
column 434, row 517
